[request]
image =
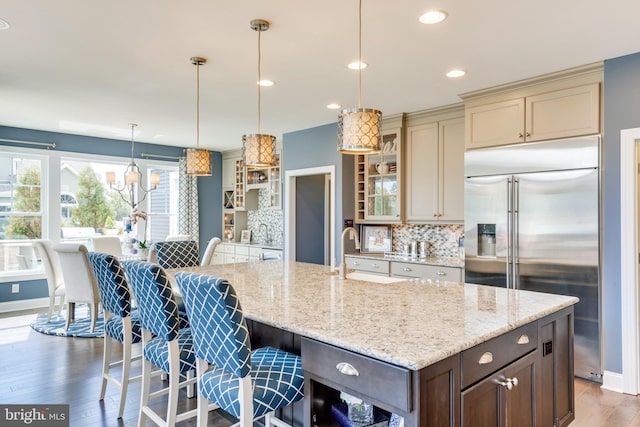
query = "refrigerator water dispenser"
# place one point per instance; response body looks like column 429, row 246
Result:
column 487, row 240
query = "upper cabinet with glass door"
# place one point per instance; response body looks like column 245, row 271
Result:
column 378, row 181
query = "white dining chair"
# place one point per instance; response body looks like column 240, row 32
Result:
column 210, row 250
column 107, row 244
column 53, row 272
column 80, row 282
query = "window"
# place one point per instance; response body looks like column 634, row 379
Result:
column 21, row 216
column 163, row 204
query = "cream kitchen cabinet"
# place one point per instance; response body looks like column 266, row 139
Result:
column 560, row 105
column 378, row 178
column 434, row 163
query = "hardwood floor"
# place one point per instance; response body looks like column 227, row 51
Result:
column 39, row 369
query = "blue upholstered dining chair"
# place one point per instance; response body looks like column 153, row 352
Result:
column 246, row 384
column 178, row 253
column 165, row 344
column 121, row 322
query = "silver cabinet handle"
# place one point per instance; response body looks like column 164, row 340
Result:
column 407, row 269
column 375, row 265
column 356, row 263
column 509, row 383
column 486, row 358
column 441, row 273
column 524, row 339
column 347, row 369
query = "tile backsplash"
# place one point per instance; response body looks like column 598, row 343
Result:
column 272, row 218
column 442, row 240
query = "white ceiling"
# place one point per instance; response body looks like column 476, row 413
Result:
column 107, row 64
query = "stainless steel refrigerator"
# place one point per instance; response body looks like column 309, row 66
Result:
column 532, row 223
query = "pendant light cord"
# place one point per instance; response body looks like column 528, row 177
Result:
column 259, row 59
column 197, row 105
column 132, row 127
column 360, row 54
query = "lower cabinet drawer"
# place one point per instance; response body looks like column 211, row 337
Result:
column 380, row 380
column 492, row 355
column 426, row 271
column 367, row 264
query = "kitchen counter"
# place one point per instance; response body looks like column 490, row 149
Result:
column 410, row 323
column 255, row 245
column 436, row 261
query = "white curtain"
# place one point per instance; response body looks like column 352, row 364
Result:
column 188, row 218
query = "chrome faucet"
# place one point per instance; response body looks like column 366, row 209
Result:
column 266, row 232
column 352, row 231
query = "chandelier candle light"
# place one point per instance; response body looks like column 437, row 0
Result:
column 359, row 128
column 198, row 159
column 132, row 185
column 258, row 150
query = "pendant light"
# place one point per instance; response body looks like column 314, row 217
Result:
column 359, row 128
column 198, row 159
column 258, row 150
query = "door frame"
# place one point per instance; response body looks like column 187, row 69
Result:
column 629, row 140
column 290, row 208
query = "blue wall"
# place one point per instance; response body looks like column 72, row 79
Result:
column 209, row 188
column 621, row 111
column 317, row 147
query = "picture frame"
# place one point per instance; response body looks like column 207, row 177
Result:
column 245, row 236
column 376, row 239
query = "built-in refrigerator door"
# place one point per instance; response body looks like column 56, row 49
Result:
column 487, row 230
column 556, row 249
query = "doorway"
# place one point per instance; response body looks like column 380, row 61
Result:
column 309, row 215
column 629, row 218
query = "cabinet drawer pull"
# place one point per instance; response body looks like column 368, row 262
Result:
column 347, row 369
column 441, row 273
column 520, row 135
column 375, row 265
column 509, row 383
column 356, row 263
column 524, row 339
column 407, row 269
column 486, row 358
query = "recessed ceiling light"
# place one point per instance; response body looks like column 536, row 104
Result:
column 456, row 73
column 266, row 83
column 334, row 106
column 355, row 65
column 4, row 25
column 433, row 17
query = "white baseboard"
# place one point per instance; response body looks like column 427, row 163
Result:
column 25, row 304
column 612, row 381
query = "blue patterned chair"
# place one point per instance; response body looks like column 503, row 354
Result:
column 165, row 344
column 246, row 384
column 121, row 322
column 178, row 253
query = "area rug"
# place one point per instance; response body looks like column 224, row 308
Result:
column 80, row 328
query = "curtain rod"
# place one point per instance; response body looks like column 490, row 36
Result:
column 158, row 156
column 49, row 145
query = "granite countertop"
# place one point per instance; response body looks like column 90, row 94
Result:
column 430, row 260
column 412, row 323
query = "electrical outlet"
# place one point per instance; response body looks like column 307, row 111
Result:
column 15, row 288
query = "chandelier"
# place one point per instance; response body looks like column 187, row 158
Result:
column 359, row 128
column 258, row 149
column 132, row 184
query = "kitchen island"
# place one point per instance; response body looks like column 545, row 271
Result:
column 429, row 351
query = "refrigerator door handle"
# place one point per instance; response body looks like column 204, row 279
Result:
column 509, row 272
column 516, row 234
